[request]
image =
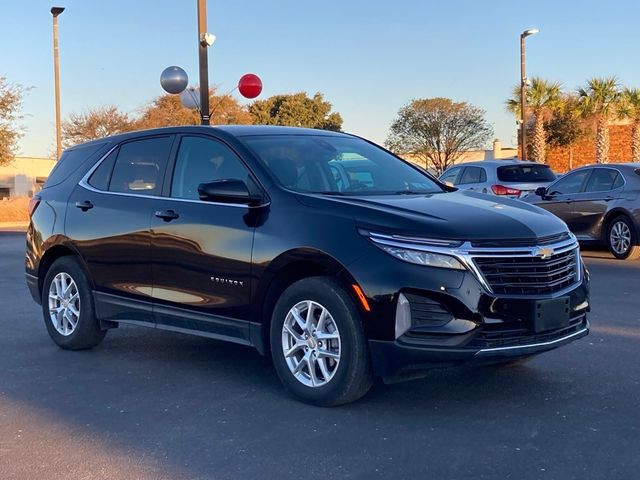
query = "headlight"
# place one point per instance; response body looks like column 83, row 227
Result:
column 428, row 259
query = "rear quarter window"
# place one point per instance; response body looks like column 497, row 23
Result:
column 70, row 162
column 525, row 174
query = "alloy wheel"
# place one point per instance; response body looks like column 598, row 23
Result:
column 64, row 304
column 620, row 237
column 311, row 343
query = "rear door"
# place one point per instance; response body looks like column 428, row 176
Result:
column 473, row 178
column 108, row 218
column 561, row 196
column 202, row 250
column 604, row 187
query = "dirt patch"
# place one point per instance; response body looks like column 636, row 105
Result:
column 14, row 210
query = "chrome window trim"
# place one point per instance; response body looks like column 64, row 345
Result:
column 465, row 253
column 84, row 183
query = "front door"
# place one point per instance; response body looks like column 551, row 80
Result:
column 561, row 196
column 201, row 251
column 603, row 188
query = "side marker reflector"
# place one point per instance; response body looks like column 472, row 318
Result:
column 363, row 299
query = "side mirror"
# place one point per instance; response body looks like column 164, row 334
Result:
column 449, row 183
column 541, row 191
column 228, row 191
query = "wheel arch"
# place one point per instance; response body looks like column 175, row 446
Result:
column 612, row 215
column 52, row 254
column 290, row 267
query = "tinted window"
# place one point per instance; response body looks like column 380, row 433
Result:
column 70, row 162
column 602, row 180
column 525, row 174
column 473, row 175
column 102, row 175
column 332, row 164
column 203, row 160
column 140, row 166
column 571, row 183
column 450, row 175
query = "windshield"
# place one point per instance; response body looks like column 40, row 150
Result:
column 526, row 174
column 337, row 165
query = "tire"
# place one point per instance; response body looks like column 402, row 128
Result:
column 71, row 294
column 343, row 379
column 622, row 239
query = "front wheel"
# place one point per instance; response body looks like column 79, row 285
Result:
column 67, row 305
column 317, row 343
column 623, row 239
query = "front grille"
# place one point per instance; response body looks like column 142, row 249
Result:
column 524, row 242
column 503, row 336
column 529, row 275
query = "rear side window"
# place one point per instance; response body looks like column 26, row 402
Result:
column 101, row 177
column 473, row 175
column 602, row 180
column 525, row 174
column 140, row 166
column 69, row 163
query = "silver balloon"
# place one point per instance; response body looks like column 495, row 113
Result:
column 190, row 98
column 174, row 79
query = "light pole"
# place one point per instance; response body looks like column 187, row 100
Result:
column 55, row 11
column 205, row 40
column 523, row 90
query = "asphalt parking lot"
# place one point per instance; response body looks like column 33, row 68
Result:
column 148, row 404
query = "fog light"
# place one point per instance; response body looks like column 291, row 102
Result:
column 403, row 315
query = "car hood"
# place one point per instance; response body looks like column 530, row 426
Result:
column 460, row 215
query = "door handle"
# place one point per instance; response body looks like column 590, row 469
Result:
column 608, row 199
column 84, row 206
column 167, row 215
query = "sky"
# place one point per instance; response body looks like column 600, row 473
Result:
column 368, row 58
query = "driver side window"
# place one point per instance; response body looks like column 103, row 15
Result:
column 572, row 183
column 203, row 160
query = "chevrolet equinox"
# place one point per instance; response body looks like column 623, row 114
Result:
column 337, row 258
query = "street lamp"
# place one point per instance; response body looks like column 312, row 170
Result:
column 55, row 11
column 523, row 90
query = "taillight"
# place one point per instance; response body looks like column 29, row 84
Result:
column 502, row 190
column 33, row 204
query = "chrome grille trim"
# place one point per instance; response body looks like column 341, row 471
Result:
column 467, row 254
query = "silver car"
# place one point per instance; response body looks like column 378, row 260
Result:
column 510, row 178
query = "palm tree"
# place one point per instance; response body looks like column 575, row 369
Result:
column 543, row 97
column 598, row 101
column 630, row 108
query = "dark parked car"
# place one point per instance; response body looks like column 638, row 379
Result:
column 326, row 251
column 600, row 204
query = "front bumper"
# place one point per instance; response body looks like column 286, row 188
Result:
column 410, row 355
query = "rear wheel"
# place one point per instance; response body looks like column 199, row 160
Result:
column 67, row 305
column 318, row 345
column 623, row 239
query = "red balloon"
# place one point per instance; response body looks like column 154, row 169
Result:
column 250, row 85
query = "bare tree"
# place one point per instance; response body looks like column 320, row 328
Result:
column 10, row 132
column 438, row 131
column 93, row 124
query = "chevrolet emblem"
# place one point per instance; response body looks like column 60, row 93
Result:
column 544, row 253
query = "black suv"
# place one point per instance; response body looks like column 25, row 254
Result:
column 327, row 251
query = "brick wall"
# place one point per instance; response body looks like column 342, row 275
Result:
column 584, row 152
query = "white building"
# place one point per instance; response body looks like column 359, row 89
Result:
column 24, row 176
